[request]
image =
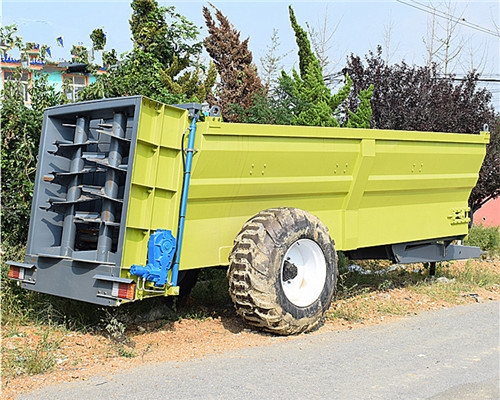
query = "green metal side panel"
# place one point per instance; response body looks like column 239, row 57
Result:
column 369, row 187
column 156, row 178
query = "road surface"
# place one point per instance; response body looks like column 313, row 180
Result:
column 447, row 354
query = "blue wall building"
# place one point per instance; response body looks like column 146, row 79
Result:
column 64, row 76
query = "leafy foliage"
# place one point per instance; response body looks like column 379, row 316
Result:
column 361, row 118
column 164, row 63
column 139, row 74
column 488, row 184
column 153, row 34
column 98, row 39
column 418, row 98
column 9, row 39
column 486, row 238
column 238, row 81
column 80, row 54
column 21, row 127
column 272, row 109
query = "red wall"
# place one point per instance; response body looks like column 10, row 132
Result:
column 488, row 214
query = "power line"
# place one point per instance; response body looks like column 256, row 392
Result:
column 442, row 14
column 477, row 80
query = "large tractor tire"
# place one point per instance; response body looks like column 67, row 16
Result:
column 283, row 271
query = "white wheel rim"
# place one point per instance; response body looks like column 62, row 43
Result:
column 304, row 284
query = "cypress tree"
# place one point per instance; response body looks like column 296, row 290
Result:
column 314, row 104
column 239, row 81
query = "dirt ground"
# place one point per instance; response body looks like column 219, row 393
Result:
column 80, row 356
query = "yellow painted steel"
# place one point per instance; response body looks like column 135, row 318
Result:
column 369, row 187
column 155, row 181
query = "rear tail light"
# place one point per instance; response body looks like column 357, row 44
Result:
column 16, row 272
column 123, row 290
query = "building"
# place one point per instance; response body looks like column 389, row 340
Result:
column 64, row 76
column 489, row 214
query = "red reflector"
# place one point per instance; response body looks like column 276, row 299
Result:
column 16, row 272
column 126, row 291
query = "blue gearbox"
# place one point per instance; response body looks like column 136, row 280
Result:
column 161, row 252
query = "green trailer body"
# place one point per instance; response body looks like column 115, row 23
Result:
column 370, row 188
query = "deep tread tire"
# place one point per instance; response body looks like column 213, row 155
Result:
column 255, row 271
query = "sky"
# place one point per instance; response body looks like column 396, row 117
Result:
column 357, row 26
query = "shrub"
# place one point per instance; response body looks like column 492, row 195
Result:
column 487, row 238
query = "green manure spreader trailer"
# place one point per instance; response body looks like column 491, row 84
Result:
column 131, row 195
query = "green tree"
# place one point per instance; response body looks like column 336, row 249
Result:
column 98, row 38
column 164, row 63
column 21, row 127
column 361, row 118
column 313, row 102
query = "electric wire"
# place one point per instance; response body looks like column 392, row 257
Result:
column 442, row 14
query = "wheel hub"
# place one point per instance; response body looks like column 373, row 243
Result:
column 290, row 271
column 303, row 272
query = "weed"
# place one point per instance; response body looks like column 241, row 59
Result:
column 439, row 292
column 15, row 301
column 366, row 291
column 114, row 325
column 390, row 306
column 386, row 285
column 199, row 314
column 125, row 352
column 31, row 360
column 342, row 261
column 484, row 275
column 351, row 311
column 486, row 238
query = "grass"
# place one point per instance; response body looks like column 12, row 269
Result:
column 487, row 238
column 405, row 290
column 31, row 358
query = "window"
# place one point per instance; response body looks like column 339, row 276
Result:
column 74, row 84
column 21, row 80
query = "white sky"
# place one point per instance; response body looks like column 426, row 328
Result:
column 361, row 26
